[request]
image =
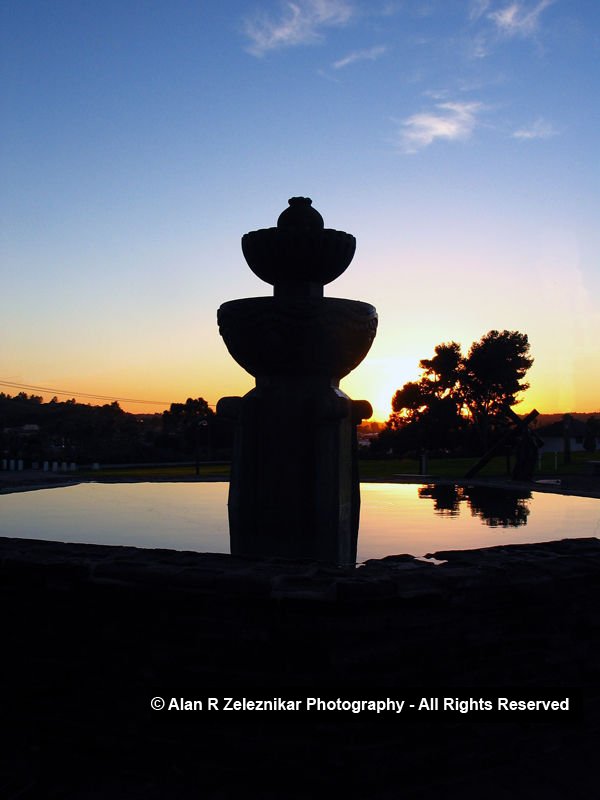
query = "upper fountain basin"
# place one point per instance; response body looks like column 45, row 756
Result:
column 298, row 336
column 281, row 255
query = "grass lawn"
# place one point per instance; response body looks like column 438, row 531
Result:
column 438, row 467
column 380, row 469
column 458, row 467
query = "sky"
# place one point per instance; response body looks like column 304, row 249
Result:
column 457, row 140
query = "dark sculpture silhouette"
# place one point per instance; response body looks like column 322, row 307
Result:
column 294, row 488
column 523, row 442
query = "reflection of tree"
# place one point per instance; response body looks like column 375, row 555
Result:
column 446, row 498
column 505, row 508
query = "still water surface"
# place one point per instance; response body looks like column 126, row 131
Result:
column 395, row 518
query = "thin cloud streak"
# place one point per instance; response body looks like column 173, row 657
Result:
column 516, row 20
column 301, row 23
column 479, row 47
column 451, row 121
column 540, row 129
column 371, row 54
column 478, row 8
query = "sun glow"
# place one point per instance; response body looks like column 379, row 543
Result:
column 377, row 380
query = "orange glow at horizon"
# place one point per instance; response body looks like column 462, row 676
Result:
column 561, row 379
column 376, row 387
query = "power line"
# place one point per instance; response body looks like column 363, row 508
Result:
column 84, row 394
column 80, row 394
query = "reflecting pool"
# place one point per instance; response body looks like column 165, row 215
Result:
column 395, row 518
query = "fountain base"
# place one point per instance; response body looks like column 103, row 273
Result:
column 294, row 488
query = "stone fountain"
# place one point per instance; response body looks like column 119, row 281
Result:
column 294, row 488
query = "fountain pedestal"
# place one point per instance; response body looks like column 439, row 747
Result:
column 294, row 488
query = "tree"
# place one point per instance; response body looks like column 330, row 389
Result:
column 183, row 415
column 443, row 370
column 427, row 411
column 438, row 382
column 457, row 393
column 492, row 376
column 189, row 422
column 408, row 404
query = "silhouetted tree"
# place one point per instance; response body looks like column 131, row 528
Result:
column 190, row 423
column 438, row 382
column 457, row 393
column 443, row 370
column 491, row 377
column 408, row 404
column 181, row 416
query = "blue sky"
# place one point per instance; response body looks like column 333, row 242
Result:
column 457, row 140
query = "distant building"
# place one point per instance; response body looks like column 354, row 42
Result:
column 23, row 430
column 553, row 436
column 365, row 439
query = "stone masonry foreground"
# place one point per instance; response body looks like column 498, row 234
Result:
column 90, row 632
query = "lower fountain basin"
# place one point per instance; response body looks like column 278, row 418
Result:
column 298, row 336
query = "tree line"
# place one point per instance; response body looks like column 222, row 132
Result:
column 35, row 431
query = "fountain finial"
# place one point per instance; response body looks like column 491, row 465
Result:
column 300, row 214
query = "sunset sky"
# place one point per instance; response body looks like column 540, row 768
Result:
column 458, row 140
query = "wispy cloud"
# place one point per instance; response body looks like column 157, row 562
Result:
column 449, row 121
column 479, row 46
column 540, row 129
column 519, row 19
column 478, row 8
column 497, row 20
column 371, row 54
column 390, row 8
column 300, row 22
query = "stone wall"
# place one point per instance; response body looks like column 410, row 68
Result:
column 91, row 633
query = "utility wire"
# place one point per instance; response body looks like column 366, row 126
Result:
column 85, row 394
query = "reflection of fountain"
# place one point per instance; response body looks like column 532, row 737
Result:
column 505, row 508
column 294, row 484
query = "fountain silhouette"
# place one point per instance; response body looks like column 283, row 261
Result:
column 294, row 489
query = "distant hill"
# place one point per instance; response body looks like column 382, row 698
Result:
column 550, row 419
column 541, row 421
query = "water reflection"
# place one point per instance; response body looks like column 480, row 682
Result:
column 446, row 499
column 395, row 518
column 506, row 508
